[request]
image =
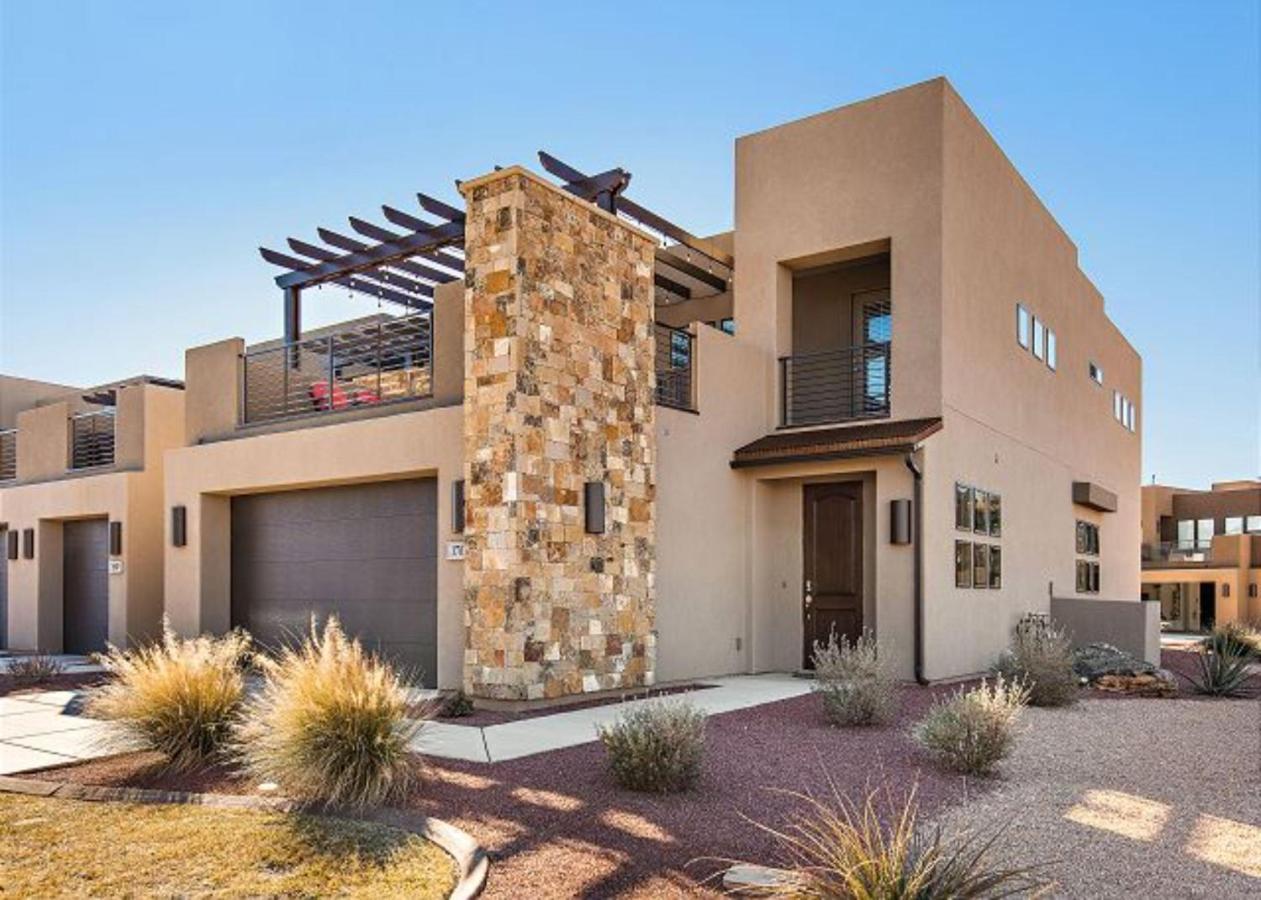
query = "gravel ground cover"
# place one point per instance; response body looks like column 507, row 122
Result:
column 1132, row 798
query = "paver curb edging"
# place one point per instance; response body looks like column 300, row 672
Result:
column 472, row 863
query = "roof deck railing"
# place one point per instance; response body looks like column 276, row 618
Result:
column 675, row 355
column 364, row 366
column 8, row 454
column 92, row 439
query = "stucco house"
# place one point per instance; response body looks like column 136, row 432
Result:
column 596, row 451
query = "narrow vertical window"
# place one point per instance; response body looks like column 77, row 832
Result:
column 1022, row 326
column 1052, row 358
column 963, row 564
column 1116, row 405
column 996, row 566
column 1039, row 338
column 980, row 565
column 963, row 507
column 1096, row 374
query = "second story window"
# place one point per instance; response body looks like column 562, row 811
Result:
column 1252, row 524
column 1096, row 374
column 1022, row 326
column 1052, row 357
column 1039, row 338
column 1234, row 525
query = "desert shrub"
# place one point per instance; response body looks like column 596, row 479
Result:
column 656, row 746
column 36, row 669
column 180, row 697
column 854, row 681
column 456, row 706
column 837, row 848
column 1041, row 656
column 1236, row 636
column 1223, row 670
column 972, row 730
column 331, row 723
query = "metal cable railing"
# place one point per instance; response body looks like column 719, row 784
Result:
column 835, row 385
column 92, row 439
column 8, row 454
column 676, row 350
column 368, row 365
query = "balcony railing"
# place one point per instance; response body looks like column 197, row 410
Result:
column 92, row 439
column 366, row 366
column 8, row 454
column 676, row 350
column 835, row 385
column 1191, row 551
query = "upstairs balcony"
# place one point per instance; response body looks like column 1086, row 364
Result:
column 383, row 361
column 841, row 385
column 675, row 353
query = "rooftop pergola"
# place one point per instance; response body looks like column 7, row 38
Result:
column 404, row 263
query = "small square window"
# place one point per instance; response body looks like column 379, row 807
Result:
column 1052, row 358
column 1234, row 525
column 963, row 507
column 1022, row 326
column 1252, row 524
column 963, row 564
column 727, row 325
column 1039, row 338
column 1096, row 374
column 980, row 565
column 996, row 566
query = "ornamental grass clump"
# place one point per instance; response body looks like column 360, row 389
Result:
column 179, row 697
column 855, row 681
column 836, row 848
column 971, row 731
column 1041, row 656
column 656, row 746
column 332, row 723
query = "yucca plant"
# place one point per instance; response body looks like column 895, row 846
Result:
column 973, row 730
column 180, row 697
column 1228, row 634
column 837, row 849
column 332, row 724
column 855, row 680
column 656, row 746
column 1041, row 656
column 1224, row 670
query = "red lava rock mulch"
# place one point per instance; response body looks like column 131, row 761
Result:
column 555, row 825
column 482, row 718
column 67, row 681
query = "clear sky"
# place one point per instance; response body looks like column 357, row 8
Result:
column 148, row 149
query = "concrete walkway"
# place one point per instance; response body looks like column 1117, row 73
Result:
column 45, row 728
column 512, row 740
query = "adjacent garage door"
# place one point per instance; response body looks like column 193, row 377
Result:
column 85, row 585
column 366, row 552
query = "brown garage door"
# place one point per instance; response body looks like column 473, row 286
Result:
column 85, row 585
column 366, row 552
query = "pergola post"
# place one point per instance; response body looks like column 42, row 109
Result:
column 293, row 324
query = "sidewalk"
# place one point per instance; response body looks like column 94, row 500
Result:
column 45, row 728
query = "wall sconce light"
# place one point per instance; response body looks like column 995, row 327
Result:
column 593, row 500
column 457, row 506
column 1252, row 590
column 28, row 543
column 1225, row 591
column 179, row 526
column 115, row 538
column 12, row 541
column 900, row 522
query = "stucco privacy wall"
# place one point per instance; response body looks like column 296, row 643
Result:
column 559, row 379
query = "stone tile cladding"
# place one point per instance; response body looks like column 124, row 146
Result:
column 558, row 391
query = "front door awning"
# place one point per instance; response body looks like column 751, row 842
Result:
column 841, row 442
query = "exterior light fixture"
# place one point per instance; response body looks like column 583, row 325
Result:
column 179, row 526
column 28, row 543
column 457, row 506
column 900, row 522
column 115, row 538
column 593, row 500
column 12, row 541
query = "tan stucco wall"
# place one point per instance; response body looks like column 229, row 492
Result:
column 19, row 394
column 205, row 477
column 151, row 417
column 823, row 303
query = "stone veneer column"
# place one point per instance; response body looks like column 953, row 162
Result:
column 558, row 391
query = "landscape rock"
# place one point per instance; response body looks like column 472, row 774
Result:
column 1094, row 661
column 1159, row 683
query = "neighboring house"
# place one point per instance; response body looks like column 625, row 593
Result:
column 1202, row 553
column 81, row 511
column 552, row 476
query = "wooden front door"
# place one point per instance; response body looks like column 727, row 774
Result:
column 832, row 595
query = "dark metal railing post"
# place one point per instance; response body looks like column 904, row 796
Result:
column 329, row 362
column 783, row 391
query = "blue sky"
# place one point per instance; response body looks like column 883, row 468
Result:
column 149, row 148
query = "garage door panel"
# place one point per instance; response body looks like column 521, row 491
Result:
column 366, row 552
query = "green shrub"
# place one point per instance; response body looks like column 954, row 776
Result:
column 837, row 848
column 1041, row 656
column 972, row 730
column 179, row 697
column 656, row 746
column 331, row 723
column 456, row 706
column 1224, row 670
column 1237, row 636
column 33, row 670
column 854, row 681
